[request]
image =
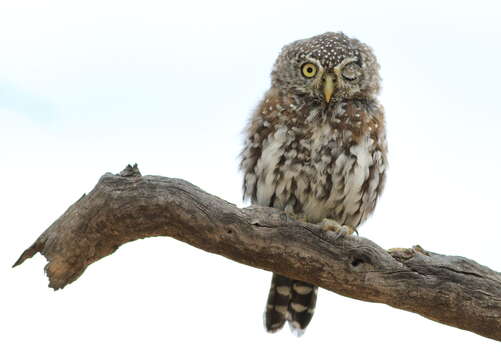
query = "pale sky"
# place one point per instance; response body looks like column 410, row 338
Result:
column 87, row 87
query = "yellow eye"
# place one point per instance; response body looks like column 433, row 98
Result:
column 309, row 70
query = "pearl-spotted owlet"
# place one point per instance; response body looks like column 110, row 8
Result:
column 315, row 147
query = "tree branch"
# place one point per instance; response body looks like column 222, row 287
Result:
column 449, row 289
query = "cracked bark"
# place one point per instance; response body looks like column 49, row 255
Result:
column 451, row 290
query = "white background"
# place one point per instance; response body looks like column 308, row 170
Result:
column 88, row 87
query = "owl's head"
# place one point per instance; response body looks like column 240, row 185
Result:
column 327, row 67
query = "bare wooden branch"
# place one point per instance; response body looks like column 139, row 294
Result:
column 449, row 289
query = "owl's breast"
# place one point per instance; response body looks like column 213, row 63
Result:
column 319, row 171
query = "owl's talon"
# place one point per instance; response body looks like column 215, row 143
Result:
column 333, row 225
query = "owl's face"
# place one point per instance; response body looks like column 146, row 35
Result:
column 327, row 67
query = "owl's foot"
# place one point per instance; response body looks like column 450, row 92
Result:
column 333, row 225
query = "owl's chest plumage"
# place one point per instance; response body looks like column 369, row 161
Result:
column 319, row 163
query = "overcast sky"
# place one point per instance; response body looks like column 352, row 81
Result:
column 87, row 87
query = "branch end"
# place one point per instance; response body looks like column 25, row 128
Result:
column 28, row 253
column 62, row 273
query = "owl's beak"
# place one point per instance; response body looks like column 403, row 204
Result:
column 329, row 87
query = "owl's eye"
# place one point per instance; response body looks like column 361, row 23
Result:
column 309, row 70
column 351, row 72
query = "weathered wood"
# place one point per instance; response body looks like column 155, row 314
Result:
column 449, row 289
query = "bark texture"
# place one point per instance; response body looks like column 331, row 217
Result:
column 452, row 290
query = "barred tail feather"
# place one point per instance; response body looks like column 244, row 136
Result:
column 301, row 305
column 278, row 301
column 289, row 300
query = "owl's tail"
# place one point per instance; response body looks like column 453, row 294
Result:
column 292, row 301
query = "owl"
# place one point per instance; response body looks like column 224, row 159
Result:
column 315, row 147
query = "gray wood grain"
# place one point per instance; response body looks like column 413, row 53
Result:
column 449, row 289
